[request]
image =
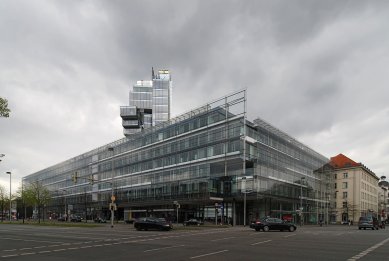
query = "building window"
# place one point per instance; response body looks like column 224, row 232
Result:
column 344, row 185
column 344, row 204
column 344, row 194
column 345, row 175
column 335, row 176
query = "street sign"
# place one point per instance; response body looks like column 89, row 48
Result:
column 113, row 206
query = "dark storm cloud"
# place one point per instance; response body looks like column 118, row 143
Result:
column 312, row 68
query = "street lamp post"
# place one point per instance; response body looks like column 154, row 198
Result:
column 301, row 201
column 24, row 212
column 112, row 196
column 66, row 213
column 328, row 208
column 244, row 202
column 10, row 203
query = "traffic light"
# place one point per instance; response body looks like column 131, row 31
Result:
column 74, row 177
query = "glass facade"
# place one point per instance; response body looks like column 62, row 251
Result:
column 208, row 160
column 151, row 101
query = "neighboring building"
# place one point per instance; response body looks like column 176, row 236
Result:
column 383, row 199
column 149, row 103
column 211, row 161
column 356, row 189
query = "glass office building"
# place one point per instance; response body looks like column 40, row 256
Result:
column 211, row 162
column 149, row 103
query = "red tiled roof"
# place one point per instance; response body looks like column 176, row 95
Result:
column 341, row 161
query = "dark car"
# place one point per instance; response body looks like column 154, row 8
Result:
column 152, row 224
column 368, row 222
column 268, row 223
column 129, row 221
column 75, row 219
column 100, row 220
column 193, row 222
column 61, row 219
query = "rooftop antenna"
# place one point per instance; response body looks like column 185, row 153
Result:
column 152, row 73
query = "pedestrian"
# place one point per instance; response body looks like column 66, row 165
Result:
column 349, row 222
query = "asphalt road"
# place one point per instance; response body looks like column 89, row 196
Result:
column 26, row 242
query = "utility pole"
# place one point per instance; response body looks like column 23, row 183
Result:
column 112, row 195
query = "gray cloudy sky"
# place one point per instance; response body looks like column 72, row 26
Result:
column 317, row 70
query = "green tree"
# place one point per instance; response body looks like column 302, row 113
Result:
column 4, row 111
column 36, row 195
column 3, row 201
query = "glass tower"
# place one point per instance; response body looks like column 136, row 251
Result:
column 149, row 103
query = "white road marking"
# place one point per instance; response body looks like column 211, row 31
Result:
column 57, row 250
column 213, row 253
column 367, row 251
column 162, row 248
column 26, row 254
column 222, row 239
column 290, row 235
column 260, row 242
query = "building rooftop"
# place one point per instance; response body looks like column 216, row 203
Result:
column 341, row 161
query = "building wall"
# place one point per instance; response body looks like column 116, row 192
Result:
column 362, row 193
column 211, row 153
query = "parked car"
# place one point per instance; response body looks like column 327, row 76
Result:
column 193, row 222
column 61, row 219
column 368, row 222
column 129, row 221
column 100, row 220
column 75, row 219
column 152, row 224
column 382, row 224
column 268, row 223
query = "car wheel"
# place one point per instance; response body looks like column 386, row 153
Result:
column 364, row 228
column 360, row 228
column 266, row 228
column 138, row 229
column 291, row 229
